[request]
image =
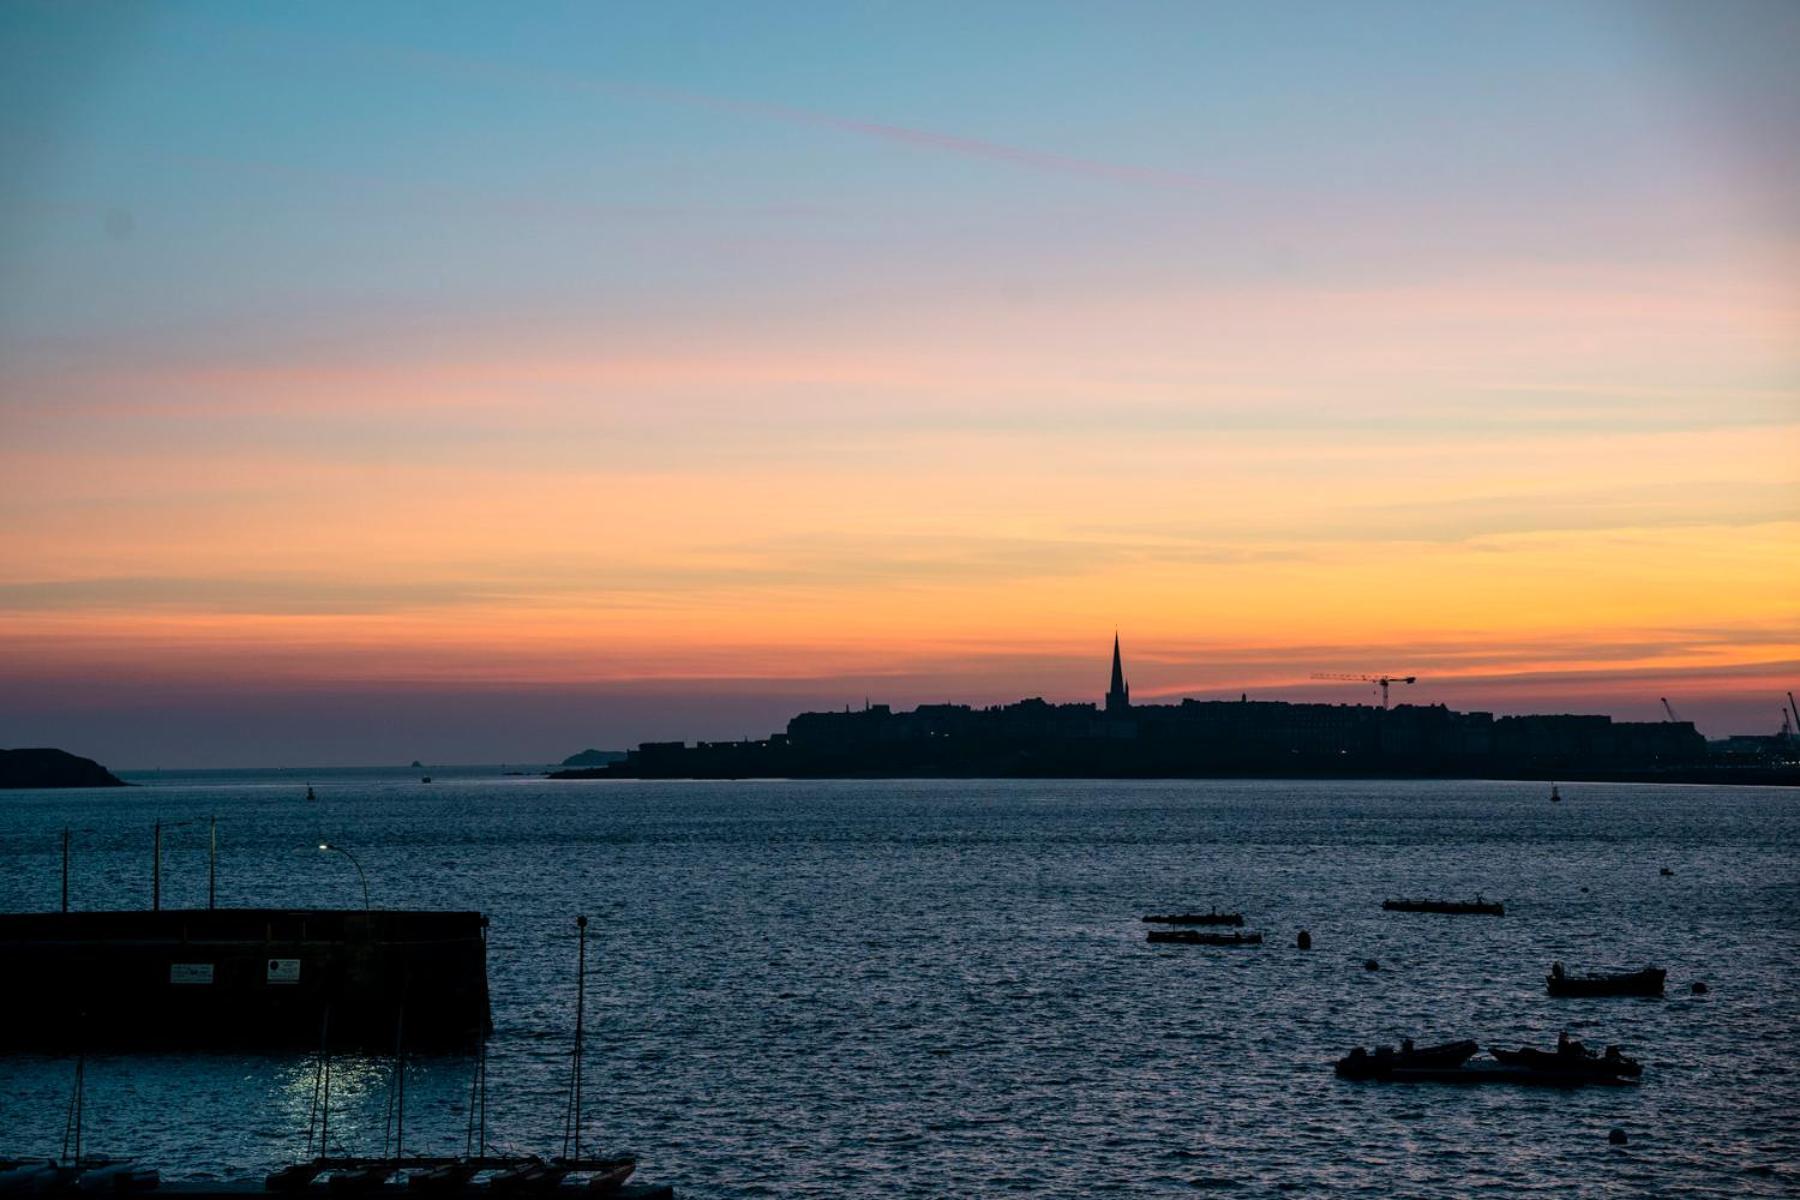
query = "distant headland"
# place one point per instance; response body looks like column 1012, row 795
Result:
column 594, row 758
column 1118, row 739
column 46, row 768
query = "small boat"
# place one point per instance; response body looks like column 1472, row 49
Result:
column 1360, row 1064
column 1571, row 1058
column 294, row 1177
column 1555, row 796
column 1647, row 982
column 608, row 1174
column 1491, row 908
column 446, row 1177
column 1485, row 1070
column 473, row 1176
column 116, row 1179
column 1214, row 917
column 424, row 779
column 353, row 1180
column 1193, row 937
column 533, row 1176
column 29, row 1178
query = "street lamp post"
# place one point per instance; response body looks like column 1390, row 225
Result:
column 354, row 863
column 212, row 862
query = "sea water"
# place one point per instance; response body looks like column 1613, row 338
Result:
column 942, row 988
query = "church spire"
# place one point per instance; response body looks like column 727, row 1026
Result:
column 1118, row 696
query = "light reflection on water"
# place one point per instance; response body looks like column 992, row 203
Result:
column 857, row 989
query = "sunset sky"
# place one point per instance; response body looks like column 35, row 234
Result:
column 479, row 383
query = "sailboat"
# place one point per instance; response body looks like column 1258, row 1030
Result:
column 605, row 1175
column 521, row 1175
column 75, row 1171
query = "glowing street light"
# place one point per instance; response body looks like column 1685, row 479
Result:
column 354, row 863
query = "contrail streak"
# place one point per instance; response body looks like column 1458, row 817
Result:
column 927, row 139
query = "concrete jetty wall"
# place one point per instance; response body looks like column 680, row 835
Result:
column 243, row 979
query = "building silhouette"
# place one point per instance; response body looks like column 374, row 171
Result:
column 1117, row 739
column 1118, row 696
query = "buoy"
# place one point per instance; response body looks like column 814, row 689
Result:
column 1304, row 941
column 1584, row 889
column 1617, row 1137
column 1700, row 988
column 1666, row 871
column 1371, row 965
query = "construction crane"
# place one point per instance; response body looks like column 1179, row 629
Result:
column 1796, row 709
column 1381, row 681
column 1669, row 708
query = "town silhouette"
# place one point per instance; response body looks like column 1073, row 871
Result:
column 1116, row 738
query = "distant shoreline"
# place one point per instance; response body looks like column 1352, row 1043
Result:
column 43, row 767
column 1711, row 776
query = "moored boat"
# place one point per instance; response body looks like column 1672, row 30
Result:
column 116, row 1179
column 1571, row 1058
column 1570, row 1065
column 80, row 1177
column 1194, row 937
column 1214, row 917
column 354, row 1180
column 609, row 1177
column 1486, row 1070
column 534, row 1175
column 569, row 1180
column 447, row 1177
column 1647, row 982
column 1491, row 908
column 293, row 1176
column 28, row 1178
column 1360, row 1064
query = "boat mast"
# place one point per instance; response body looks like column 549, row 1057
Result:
column 475, row 1141
column 325, row 1092
column 572, row 1129
column 72, row 1126
column 397, row 1095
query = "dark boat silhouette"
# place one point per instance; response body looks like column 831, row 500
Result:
column 1194, row 937
column 1360, row 1064
column 1570, row 1065
column 1572, row 1059
column 449, row 1178
column 1647, row 982
column 470, row 1176
column 87, row 1176
column 354, row 1181
column 533, row 1176
column 1214, row 917
column 1491, row 908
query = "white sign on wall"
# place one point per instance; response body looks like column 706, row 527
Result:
column 185, row 973
column 284, row 970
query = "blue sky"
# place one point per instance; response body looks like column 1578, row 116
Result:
column 376, row 348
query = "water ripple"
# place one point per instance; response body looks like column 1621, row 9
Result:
column 935, row 988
